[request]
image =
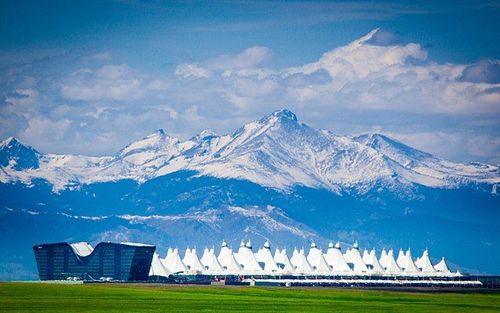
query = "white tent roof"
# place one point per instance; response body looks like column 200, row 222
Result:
column 246, row 258
column 424, row 263
column 383, row 258
column 442, row 267
column 281, row 258
column 295, row 257
column 392, row 265
column 187, row 255
column 366, row 256
column 193, row 262
column 205, row 257
column 225, row 255
column 232, row 266
column 237, row 254
column 278, row 257
column 213, row 264
column 264, row 256
column 408, row 264
column 303, row 265
column 335, row 258
column 371, row 259
column 401, row 260
column 157, row 267
column 314, row 263
column 355, row 258
column 173, row 261
column 317, row 260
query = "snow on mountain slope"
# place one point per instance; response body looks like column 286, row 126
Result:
column 261, row 222
column 425, row 169
column 276, row 151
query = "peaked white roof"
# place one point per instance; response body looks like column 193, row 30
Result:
column 187, row 255
column 371, row 259
column 383, row 258
column 246, row 258
column 225, row 255
column 295, row 257
column 173, row 261
column 366, row 256
column 401, row 260
column 392, row 265
column 354, row 256
column 303, row 265
column 192, row 262
column 408, row 265
column 282, row 260
column 157, row 267
column 442, row 267
column 335, row 259
column 276, row 252
column 232, row 267
column 205, row 257
column 317, row 260
column 322, row 266
column 424, row 263
column 264, row 256
column 213, row 264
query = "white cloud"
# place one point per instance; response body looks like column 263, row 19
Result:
column 111, row 82
column 248, row 58
column 254, row 88
column 165, row 108
column 484, row 146
column 191, row 114
column 240, row 102
column 359, row 59
column 158, row 85
column 375, row 72
column 191, row 71
column 22, row 100
column 396, row 77
column 44, row 131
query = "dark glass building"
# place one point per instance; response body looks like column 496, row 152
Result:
column 107, row 261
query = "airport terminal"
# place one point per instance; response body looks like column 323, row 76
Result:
column 136, row 262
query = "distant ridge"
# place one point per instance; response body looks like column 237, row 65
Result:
column 275, row 151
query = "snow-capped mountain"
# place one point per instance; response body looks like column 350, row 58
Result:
column 275, row 178
column 276, row 151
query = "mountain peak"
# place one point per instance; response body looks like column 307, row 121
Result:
column 10, row 141
column 285, row 113
column 12, row 151
column 155, row 141
column 207, row 133
column 391, row 147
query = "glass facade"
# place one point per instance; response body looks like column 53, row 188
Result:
column 108, row 261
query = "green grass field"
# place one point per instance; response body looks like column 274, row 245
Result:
column 39, row 297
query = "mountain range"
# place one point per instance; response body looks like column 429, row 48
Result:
column 274, row 178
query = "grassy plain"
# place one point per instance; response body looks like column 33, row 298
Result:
column 40, row 297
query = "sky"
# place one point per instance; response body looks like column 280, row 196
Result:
column 88, row 77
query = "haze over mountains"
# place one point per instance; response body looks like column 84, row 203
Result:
column 274, row 178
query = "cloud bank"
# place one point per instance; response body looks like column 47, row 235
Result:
column 375, row 83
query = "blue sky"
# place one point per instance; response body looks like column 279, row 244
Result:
column 88, row 77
